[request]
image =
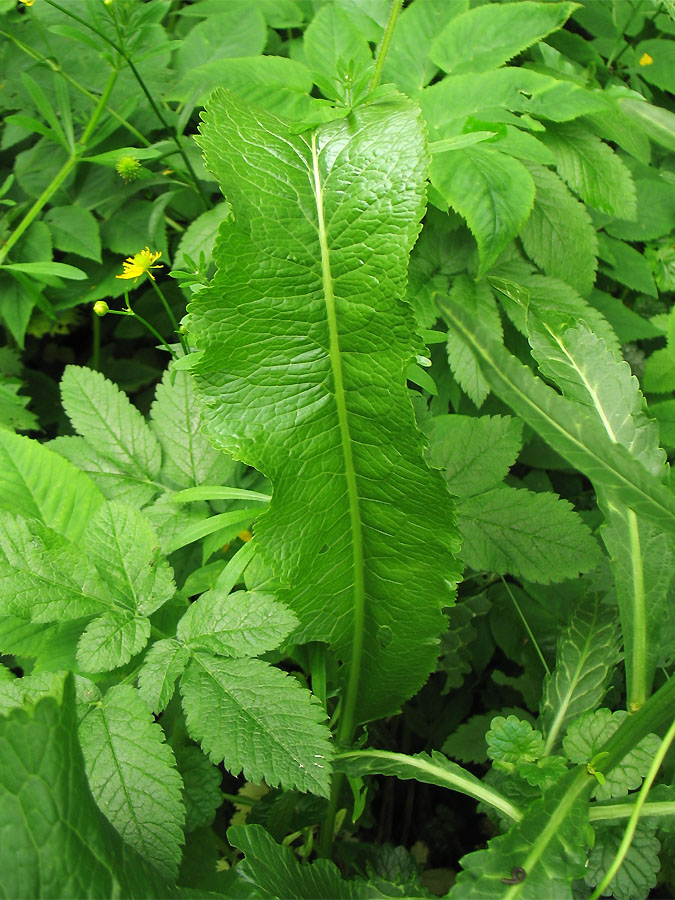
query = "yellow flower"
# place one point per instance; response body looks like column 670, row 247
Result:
column 140, row 264
column 28, row 2
column 646, row 60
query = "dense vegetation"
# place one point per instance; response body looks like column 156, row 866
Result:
column 337, row 529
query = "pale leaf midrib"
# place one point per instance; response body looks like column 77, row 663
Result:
column 347, row 717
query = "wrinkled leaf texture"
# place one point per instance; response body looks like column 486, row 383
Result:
column 306, row 342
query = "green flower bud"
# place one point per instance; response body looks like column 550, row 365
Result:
column 101, row 307
column 128, row 168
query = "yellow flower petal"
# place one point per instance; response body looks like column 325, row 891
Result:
column 140, row 264
column 646, row 60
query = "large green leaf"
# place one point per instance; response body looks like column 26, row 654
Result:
column 56, row 842
column 306, row 343
column 132, row 775
column 37, row 483
column 568, row 428
column 488, row 36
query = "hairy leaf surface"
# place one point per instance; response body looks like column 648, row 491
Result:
column 306, row 344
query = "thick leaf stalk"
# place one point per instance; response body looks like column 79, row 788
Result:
column 306, row 342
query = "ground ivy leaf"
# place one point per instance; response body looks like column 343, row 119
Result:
column 640, row 867
column 125, row 549
column 257, row 720
column 132, row 775
column 512, row 739
column 239, row 624
column 587, row 734
column 359, row 529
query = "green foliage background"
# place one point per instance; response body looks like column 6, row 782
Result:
column 371, row 483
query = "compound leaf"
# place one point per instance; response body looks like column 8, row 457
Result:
column 111, row 640
column 492, row 191
column 163, row 665
column 123, row 546
column 132, row 775
column 486, row 37
column 559, row 235
column 474, row 452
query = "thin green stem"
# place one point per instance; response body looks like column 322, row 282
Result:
column 386, row 41
column 96, row 342
column 527, row 627
column 637, row 661
column 125, row 56
column 62, row 174
column 631, row 827
column 605, row 812
column 172, row 318
column 55, row 67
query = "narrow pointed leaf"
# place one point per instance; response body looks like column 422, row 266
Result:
column 586, row 655
column 572, row 433
column 317, row 400
column 163, row 665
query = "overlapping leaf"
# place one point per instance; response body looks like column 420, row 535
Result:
column 306, row 344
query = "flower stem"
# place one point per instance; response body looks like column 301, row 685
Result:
column 172, row 318
column 63, row 172
column 125, row 56
column 32, row 52
column 386, row 41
